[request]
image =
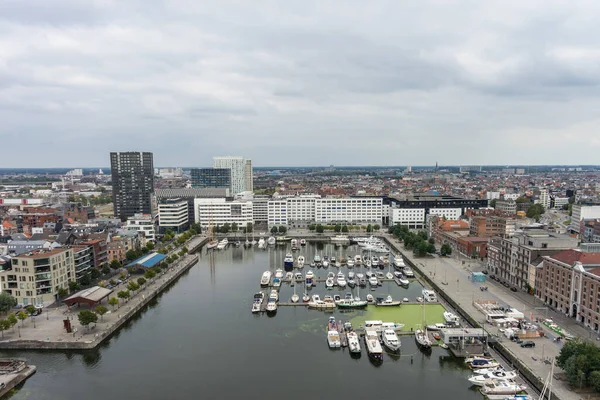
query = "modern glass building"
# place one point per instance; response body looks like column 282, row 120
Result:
column 211, row 178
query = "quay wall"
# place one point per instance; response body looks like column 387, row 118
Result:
column 105, row 335
column 17, row 379
column 529, row 376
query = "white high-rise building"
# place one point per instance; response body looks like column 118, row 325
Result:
column 241, row 172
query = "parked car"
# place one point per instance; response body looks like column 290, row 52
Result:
column 506, row 284
column 493, row 277
column 528, row 343
column 485, row 272
column 513, row 289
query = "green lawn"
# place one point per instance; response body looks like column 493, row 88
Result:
column 411, row 315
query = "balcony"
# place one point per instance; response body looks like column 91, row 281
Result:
column 43, row 285
column 43, row 291
column 13, row 285
column 43, row 277
column 42, row 270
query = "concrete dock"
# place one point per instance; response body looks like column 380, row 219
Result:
column 14, row 372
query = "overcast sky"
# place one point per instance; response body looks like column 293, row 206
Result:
column 300, row 82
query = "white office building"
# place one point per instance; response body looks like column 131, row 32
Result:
column 173, row 215
column 448, row 213
column 581, row 212
column 218, row 212
column 143, row 223
column 414, row 218
column 241, row 172
column 277, row 213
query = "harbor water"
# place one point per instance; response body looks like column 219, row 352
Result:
column 199, row 339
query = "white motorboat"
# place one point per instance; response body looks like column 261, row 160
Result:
column 302, row 242
column 310, row 274
column 340, row 239
column 481, row 379
column 370, row 299
column 451, row 319
column 436, row 327
column 351, row 282
column 319, row 304
column 350, row 263
column 301, row 261
column 429, row 296
column 274, row 295
column 422, row 339
column 308, row 282
column 222, row 244
column 408, row 272
column 379, row 275
column 333, row 339
column 351, row 274
column 353, row 342
column 329, row 283
column 271, row 306
column 298, row 277
column 294, row 242
column 295, row 298
column 389, row 275
column 325, row 263
column 332, row 260
column 276, row 282
column 357, row 259
column 359, row 275
column 405, row 300
column 485, row 371
column 399, row 262
column 266, row 278
column 288, row 261
column 483, row 363
column 262, row 243
column 257, row 301
column 317, row 259
column 279, row 273
column 502, row 387
column 341, row 280
column 387, row 302
column 379, row 326
column 373, row 347
column 403, row 281
column 289, row 277
column 374, row 261
column 212, row 244
column 373, row 281
column 271, row 240
column 390, row 340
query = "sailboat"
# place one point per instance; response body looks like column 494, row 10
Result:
column 295, row 297
column 421, row 336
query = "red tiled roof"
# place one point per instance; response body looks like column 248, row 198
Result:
column 595, row 271
column 572, row 255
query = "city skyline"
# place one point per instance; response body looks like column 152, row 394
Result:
column 301, row 83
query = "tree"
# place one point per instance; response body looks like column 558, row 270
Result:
column 4, row 325
column 6, row 302
column 282, row 229
column 312, row 227
column 249, row 227
column 523, row 199
column 105, row 269
column 420, row 249
column 376, row 227
column 100, row 310
column 535, row 211
column 123, row 294
column 320, row 228
column 432, row 240
column 150, row 246
column 144, row 250
column 94, row 273
column 132, row 286
column 493, row 203
column 85, row 280
column 22, row 316
column 234, row 227
column 113, row 301
column 369, row 228
column 130, row 255
column 141, row 281
column 73, row 286
column 446, row 249
column 115, row 264
column 149, row 274
column 225, row 228
column 87, row 317
column 12, row 319
column 30, row 309
column 274, row 230
column 572, row 200
column 345, row 228
column 337, row 228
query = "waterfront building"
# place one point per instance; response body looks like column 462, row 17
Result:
column 143, row 223
column 100, row 251
column 277, row 212
column 260, row 208
column 513, row 256
column 83, row 259
column 35, row 277
column 241, row 172
column 211, row 178
column 133, row 183
column 570, row 282
column 173, row 215
column 218, row 212
column 188, row 195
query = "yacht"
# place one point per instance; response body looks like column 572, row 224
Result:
column 257, row 302
column 398, row 262
column 308, row 282
column 265, row 279
column 271, row 306
column 408, row 272
column 436, row 327
column 387, row 302
column 222, row 244
column 289, row 277
column 485, row 371
column 451, row 319
column 316, row 302
column 276, row 282
column 282, row 239
column 341, row 280
column 390, row 340
column 325, row 262
column 362, row 282
column 332, row 260
column 350, row 263
column 483, row 363
column 298, row 277
column 317, row 259
column 429, row 296
column 302, row 242
column 502, row 387
column 310, row 274
column 380, row 275
column 340, row 239
column 373, row 281
column 481, row 379
column 403, row 281
column 389, row 275
column 274, row 295
column 261, row 243
column 329, row 282
column 353, row 342
column 370, row 299
column 288, row 261
column 279, row 273
column 333, row 339
column 351, row 282
column 294, row 242
column 357, row 259
column 247, row 243
column 373, row 347
column 212, row 244
column 351, row 303
column 301, row 261
column 271, row 240
column 379, row 326
column 374, row 261
column 422, row 339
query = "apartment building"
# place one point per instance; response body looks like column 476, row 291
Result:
column 570, row 282
column 35, row 277
column 241, row 172
column 516, row 254
column 83, row 259
column 99, row 248
column 492, row 225
column 133, row 183
column 507, row 206
column 218, row 212
column 143, row 223
column 173, row 215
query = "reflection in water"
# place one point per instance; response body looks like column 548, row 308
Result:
column 91, row 358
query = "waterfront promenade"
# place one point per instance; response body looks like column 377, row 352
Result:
column 47, row 331
column 452, row 276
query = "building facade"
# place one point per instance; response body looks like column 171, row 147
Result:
column 516, row 254
column 36, row 277
column 211, row 178
column 143, row 223
column 492, row 225
column 218, row 212
column 239, row 172
column 133, row 183
column 260, row 208
column 249, row 176
column 507, row 206
column 173, row 215
column 83, row 259
column 580, row 213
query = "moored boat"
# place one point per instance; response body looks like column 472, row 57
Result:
column 212, row 244
column 387, row 302
column 422, row 339
column 481, row 379
column 390, row 340
column 271, row 240
column 288, row 261
column 341, row 280
column 333, row 339
column 502, row 387
column 353, row 342
column 266, row 278
column 279, row 273
column 222, row 244
column 301, row 261
column 373, row 347
column 451, row 319
column 379, row 326
column 257, row 301
column 302, row 242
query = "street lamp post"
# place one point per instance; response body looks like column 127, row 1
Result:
column 19, row 329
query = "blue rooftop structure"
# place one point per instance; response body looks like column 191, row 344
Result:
column 147, row 261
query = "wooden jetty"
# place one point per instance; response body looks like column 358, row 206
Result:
column 343, row 337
